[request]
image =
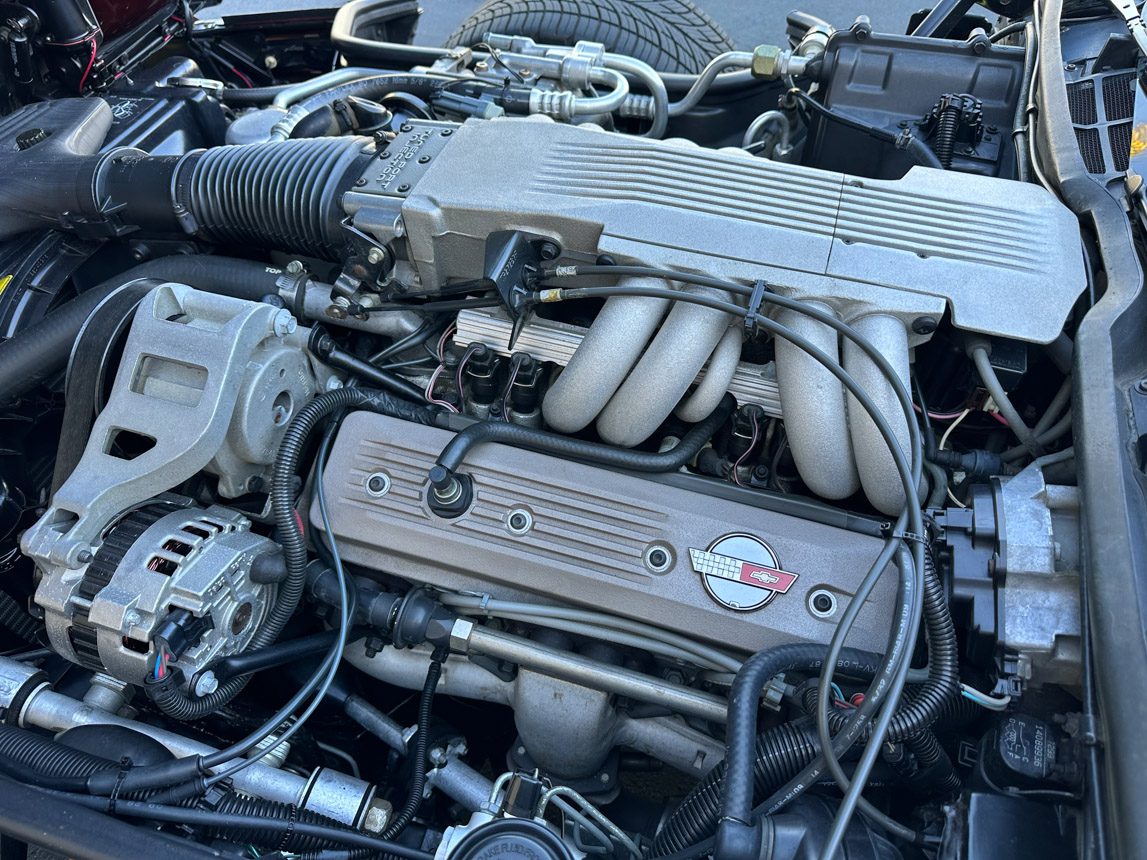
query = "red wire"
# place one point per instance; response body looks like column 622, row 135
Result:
column 999, row 418
column 246, row 80
column 299, row 523
column 91, row 62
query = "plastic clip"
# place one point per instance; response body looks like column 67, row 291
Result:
column 753, row 313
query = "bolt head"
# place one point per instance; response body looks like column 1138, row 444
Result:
column 924, row 325
column 295, row 267
column 377, row 817
column 283, row 323
column 206, row 684
column 375, row 256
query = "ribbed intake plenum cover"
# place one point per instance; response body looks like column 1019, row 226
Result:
column 1003, row 257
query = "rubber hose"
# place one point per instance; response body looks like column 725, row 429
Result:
column 39, row 760
column 780, row 754
column 421, row 743
column 744, row 700
column 14, row 618
column 943, row 683
column 936, row 770
column 1020, row 121
column 323, row 122
column 422, row 86
column 167, row 693
column 287, row 195
column 1049, row 436
column 454, row 454
column 32, row 356
column 252, row 95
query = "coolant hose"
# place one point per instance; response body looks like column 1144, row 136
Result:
column 34, row 355
column 781, row 752
column 167, row 694
column 744, row 700
column 931, row 701
column 514, row 435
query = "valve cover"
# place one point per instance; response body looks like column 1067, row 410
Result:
column 556, row 531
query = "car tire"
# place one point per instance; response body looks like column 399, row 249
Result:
column 670, row 35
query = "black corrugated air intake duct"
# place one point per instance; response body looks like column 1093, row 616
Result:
column 283, row 195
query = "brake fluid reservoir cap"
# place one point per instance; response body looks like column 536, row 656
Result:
column 512, row 837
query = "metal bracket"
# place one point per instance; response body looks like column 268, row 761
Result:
column 176, row 388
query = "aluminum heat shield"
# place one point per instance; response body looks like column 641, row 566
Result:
column 591, row 538
column 1004, row 257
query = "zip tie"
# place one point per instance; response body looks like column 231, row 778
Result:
column 124, row 766
column 290, row 831
column 754, row 310
column 912, row 537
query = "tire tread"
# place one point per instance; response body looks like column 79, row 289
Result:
column 670, row 35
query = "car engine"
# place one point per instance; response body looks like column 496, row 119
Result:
column 512, row 449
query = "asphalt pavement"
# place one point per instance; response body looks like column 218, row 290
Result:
column 749, row 23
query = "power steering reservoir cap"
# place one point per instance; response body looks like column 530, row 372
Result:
column 512, row 837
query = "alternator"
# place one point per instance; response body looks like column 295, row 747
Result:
column 206, row 383
column 199, row 579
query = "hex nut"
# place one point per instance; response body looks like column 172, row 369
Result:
column 767, row 61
